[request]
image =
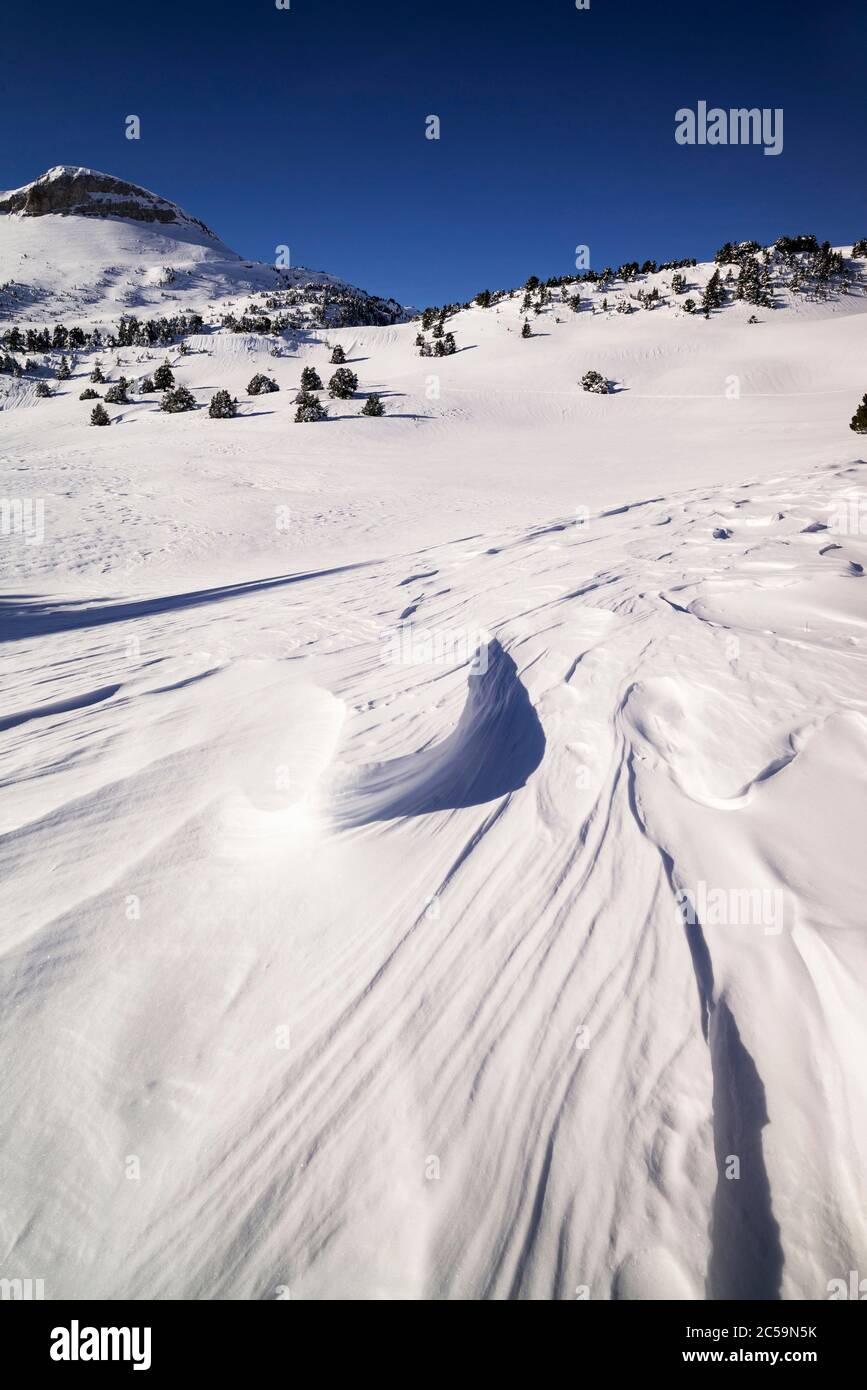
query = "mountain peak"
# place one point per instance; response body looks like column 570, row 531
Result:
column 72, row 191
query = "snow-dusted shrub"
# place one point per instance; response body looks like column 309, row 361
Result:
column 595, row 381
column 178, row 400
column 858, row 423
column 164, row 377
column 261, row 385
column 43, row 389
column 89, row 395
column 311, row 380
column 99, row 415
column 343, row 383
column 338, row 356
column 310, row 408
column 373, row 405
column 223, row 406
column 116, row 394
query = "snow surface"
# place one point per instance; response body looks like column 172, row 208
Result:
column 90, row 270
column 340, row 959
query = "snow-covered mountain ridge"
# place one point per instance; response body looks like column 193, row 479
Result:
column 81, row 247
column 72, row 191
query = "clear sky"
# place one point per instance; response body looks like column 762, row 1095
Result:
column 306, row 126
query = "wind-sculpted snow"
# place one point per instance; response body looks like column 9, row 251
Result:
column 340, row 958
column 497, row 745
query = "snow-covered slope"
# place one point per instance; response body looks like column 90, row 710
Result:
column 83, row 247
column 430, row 845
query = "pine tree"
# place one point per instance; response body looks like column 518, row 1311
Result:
column 858, row 423
column 343, row 383
column 63, row 371
column 223, row 406
column 714, row 295
column 338, row 356
column 116, row 394
column 43, row 389
column 752, row 283
column 176, row 401
column 261, row 385
column 526, row 331
column 164, row 377
column 146, row 387
column 311, row 380
column 89, row 394
column 99, row 415
column 310, row 408
column 678, row 283
column 373, row 405
column 97, row 376
column 595, row 381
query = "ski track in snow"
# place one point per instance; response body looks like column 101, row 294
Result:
column 510, row 1070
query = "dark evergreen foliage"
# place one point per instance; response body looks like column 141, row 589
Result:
column 595, row 381
column 261, row 385
column 311, row 380
column 858, row 423
column 223, row 406
column 178, row 400
column 342, row 384
column 164, row 377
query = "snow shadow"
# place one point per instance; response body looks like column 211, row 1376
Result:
column 497, row 744
column 746, row 1259
column 26, row 616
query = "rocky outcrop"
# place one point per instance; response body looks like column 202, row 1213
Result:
column 70, row 191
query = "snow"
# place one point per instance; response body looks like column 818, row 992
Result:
column 351, row 774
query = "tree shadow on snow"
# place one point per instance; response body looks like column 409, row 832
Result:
column 23, row 616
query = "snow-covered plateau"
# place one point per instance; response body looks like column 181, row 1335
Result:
column 431, row 845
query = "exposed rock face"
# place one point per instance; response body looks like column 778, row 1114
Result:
column 70, row 191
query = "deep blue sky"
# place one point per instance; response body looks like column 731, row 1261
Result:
column 306, row 126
